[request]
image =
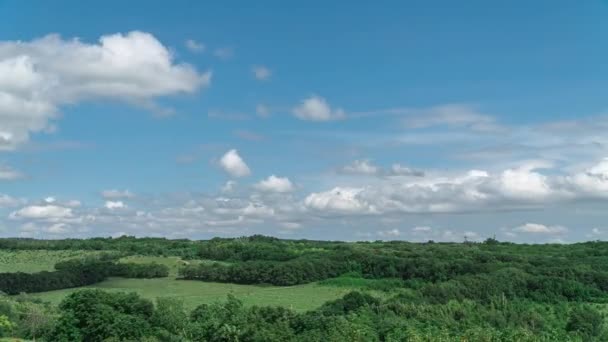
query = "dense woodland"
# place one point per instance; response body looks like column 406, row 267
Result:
column 488, row 291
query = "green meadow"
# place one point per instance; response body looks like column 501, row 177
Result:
column 31, row 261
column 193, row 293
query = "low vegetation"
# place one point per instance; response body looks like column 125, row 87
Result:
column 226, row 290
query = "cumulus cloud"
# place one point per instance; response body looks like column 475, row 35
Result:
column 115, row 205
column 261, row 73
column 116, row 194
column 535, row 228
column 366, row 167
column 523, row 187
column 195, row 46
column 339, row 200
column 49, row 211
column 315, row 108
column 41, row 75
column 234, row 165
column 275, row 184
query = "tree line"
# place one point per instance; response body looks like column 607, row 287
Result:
column 76, row 273
column 96, row 315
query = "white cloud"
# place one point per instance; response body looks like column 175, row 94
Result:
column 363, row 167
column 40, row 76
column 261, row 72
column 593, row 181
column 195, row 46
column 275, row 184
column 315, row 108
column 58, row 228
column 42, row 212
column 597, row 231
column 234, row 165
column 229, row 186
column 524, row 182
column 422, row 229
column 116, row 194
column 340, row 200
column 7, row 173
column 535, row 228
column 114, row 205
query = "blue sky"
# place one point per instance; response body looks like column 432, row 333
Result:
column 409, row 120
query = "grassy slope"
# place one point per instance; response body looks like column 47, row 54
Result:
column 194, row 293
column 35, row 261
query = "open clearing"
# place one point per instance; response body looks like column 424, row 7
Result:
column 194, row 293
column 31, row 261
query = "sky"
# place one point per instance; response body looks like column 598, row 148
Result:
column 407, row 120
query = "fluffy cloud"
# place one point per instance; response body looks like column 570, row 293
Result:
column 593, row 181
column 339, row 200
column 523, row 187
column 234, row 165
column 42, row 212
column 365, row 167
column 41, row 75
column 114, row 205
column 315, row 108
column 116, row 194
column 275, row 184
column 535, row 228
column 261, row 73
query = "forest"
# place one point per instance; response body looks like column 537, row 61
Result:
column 396, row 291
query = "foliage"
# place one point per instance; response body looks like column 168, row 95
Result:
column 488, row 291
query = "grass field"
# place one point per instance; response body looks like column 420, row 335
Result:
column 36, row 261
column 194, row 293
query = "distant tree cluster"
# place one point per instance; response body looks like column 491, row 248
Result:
column 95, row 316
column 76, row 273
